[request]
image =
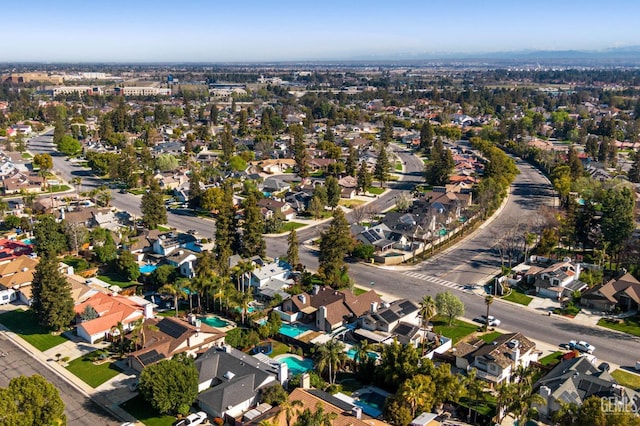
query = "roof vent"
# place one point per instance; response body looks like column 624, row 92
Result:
column 229, row 375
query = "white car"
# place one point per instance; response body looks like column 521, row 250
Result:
column 581, row 346
column 193, row 419
column 493, row 321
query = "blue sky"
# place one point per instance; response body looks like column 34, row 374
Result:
column 273, row 30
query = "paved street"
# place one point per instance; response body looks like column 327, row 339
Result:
column 80, row 410
column 470, row 261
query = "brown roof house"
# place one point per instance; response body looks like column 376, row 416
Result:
column 558, row 281
column 275, row 206
column 623, row 293
column 498, row 360
column 327, row 308
column 166, row 337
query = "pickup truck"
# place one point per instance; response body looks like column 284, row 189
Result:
column 581, row 346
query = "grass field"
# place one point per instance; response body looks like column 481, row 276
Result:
column 92, row 374
column 142, row 410
column 627, row 379
column 289, row 226
column 517, row 296
column 358, row 291
column 26, row 155
column 278, row 348
column 490, row 336
column 376, row 190
column 351, row 204
column 628, row 325
column 116, row 279
column 456, row 331
column 399, row 166
column 25, row 324
column 553, row 358
column 60, row 188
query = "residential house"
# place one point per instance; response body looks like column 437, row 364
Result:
column 13, row 249
column 275, row 185
column 383, row 238
column 573, row 381
column 142, row 243
column 623, row 293
column 17, row 275
column 111, row 310
column 229, row 380
column 169, row 242
column 184, row 260
column 299, row 200
column 386, row 317
column 346, row 413
column 328, row 309
column 271, row 279
column 275, row 207
column 29, row 182
column 426, row 419
column 166, row 337
column 557, row 281
column 496, row 361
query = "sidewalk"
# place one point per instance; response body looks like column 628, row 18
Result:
column 108, row 395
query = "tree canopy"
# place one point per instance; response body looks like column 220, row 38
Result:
column 51, row 295
column 31, row 401
column 170, row 385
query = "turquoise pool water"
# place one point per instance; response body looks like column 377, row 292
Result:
column 27, row 241
column 292, row 330
column 147, row 269
column 351, row 353
column 215, row 322
column 297, row 366
column 371, row 403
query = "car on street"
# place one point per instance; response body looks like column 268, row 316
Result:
column 581, row 346
column 493, row 321
column 192, row 232
column 192, row 419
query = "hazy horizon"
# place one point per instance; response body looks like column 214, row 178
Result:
column 201, row 31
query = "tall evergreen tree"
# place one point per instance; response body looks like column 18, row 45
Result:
column 195, row 191
column 574, row 163
column 52, row 302
column 383, row 166
column 49, row 235
column 440, row 165
column 225, row 230
column 243, row 126
column 364, row 178
column 351, row 165
column 386, row 135
column 634, row 171
column 333, row 192
column 226, row 140
column 335, row 244
column 253, row 243
column 426, row 136
column 213, row 114
column 299, row 151
column 152, row 206
column 292, row 251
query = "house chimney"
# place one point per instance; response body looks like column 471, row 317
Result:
column 302, row 298
column 374, row 307
column 321, row 316
column 357, row 412
column 148, row 310
column 283, row 373
column 316, row 289
column 305, row 381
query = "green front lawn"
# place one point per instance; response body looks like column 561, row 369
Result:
column 59, row 188
column 517, row 296
column 92, row 374
column 399, row 166
column 117, row 279
column 627, row 379
column 26, row 155
column 491, row 336
column 358, row 291
column 137, row 191
column 551, row 359
column 376, row 190
column 25, row 324
column 485, row 406
column 290, row 226
column 456, row 331
column 628, row 325
column 142, row 410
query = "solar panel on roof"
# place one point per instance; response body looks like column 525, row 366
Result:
column 150, row 357
column 172, row 328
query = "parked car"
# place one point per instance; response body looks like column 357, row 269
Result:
column 192, row 419
column 493, row 321
column 581, row 346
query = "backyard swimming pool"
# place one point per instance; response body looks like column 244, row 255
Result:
column 351, row 353
column 215, row 322
column 296, row 365
column 371, row 403
column 148, row 268
column 292, row 330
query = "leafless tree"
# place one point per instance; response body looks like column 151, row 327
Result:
column 359, row 214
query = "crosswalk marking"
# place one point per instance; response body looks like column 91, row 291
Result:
column 434, row 280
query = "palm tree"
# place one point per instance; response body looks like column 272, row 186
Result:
column 118, row 330
column 241, row 270
column 332, row 357
column 317, row 418
column 188, row 288
column 417, row 392
column 288, row 407
column 242, row 299
column 362, row 352
column 427, row 311
column 475, row 389
column 488, row 300
column 137, row 332
column 176, row 290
